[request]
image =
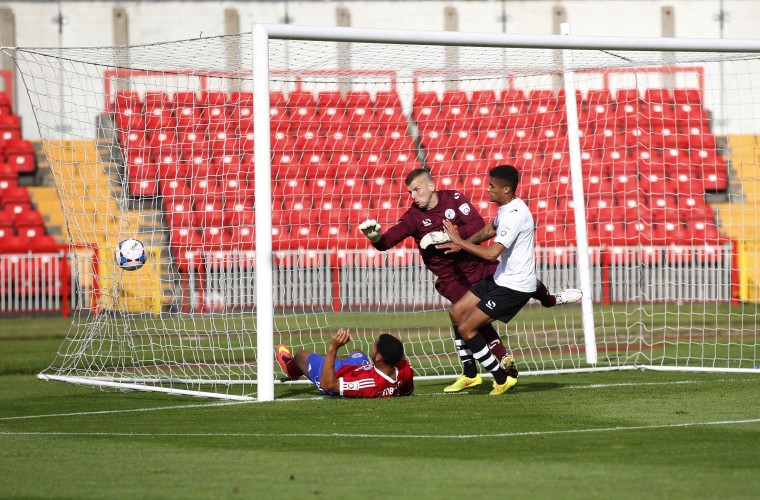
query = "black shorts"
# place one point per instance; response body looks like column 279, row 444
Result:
column 499, row 302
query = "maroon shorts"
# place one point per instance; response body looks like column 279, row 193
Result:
column 454, row 286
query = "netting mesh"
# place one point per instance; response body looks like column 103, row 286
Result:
column 156, row 143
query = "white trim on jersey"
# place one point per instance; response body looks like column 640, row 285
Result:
column 356, row 385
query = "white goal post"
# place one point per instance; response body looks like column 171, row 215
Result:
column 261, row 49
column 245, row 164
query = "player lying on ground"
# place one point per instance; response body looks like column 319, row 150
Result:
column 456, row 272
column 384, row 374
column 502, row 295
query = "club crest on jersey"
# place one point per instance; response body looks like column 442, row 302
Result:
column 450, row 214
column 426, row 222
column 464, row 208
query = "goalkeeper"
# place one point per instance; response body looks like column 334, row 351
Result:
column 456, row 272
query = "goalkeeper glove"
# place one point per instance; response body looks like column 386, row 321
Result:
column 371, row 229
column 434, row 238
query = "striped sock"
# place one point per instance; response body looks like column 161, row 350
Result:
column 480, row 351
column 491, row 336
column 465, row 354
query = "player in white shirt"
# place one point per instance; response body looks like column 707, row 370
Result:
column 510, row 288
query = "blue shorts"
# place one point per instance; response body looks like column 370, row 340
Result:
column 315, row 361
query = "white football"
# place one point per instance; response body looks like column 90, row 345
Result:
column 130, row 254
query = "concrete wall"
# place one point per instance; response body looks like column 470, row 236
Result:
column 93, row 23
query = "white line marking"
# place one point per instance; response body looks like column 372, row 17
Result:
column 316, row 398
column 157, row 408
column 387, row 436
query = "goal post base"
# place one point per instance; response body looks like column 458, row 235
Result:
column 134, row 386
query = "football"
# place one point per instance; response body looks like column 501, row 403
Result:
column 130, row 254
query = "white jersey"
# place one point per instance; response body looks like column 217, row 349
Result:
column 514, row 230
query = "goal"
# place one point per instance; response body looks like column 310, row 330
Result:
column 245, row 163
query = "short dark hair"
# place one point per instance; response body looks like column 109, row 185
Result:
column 507, row 175
column 417, row 172
column 390, row 348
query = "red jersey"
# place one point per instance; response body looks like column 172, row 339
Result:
column 366, row 381
column 452, row 206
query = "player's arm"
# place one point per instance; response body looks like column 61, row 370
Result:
column 484, row 234
column 328, row 380
column 489, row 252
column 392, row 237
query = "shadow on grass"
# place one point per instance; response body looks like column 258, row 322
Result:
column 523, row 386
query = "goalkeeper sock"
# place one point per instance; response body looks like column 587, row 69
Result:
column 542, row 295
column 491, row 336
column 470, row 369
column 480, row 351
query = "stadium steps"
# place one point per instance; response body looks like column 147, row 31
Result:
column 151, row 228
column 46, row 201
column 740, row 218
column 87, row 193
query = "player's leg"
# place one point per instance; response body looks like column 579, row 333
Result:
column 468, row 327
column 496, row 302
column 454, row 290
column 542, row 295
column 311, row 365
column 470, row 377
column 567, row 296
column 288, row 362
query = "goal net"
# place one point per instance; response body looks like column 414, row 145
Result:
column 157, row 143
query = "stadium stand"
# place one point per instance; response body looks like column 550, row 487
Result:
column 641, row 155
column 22, row 227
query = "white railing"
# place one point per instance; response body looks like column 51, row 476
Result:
column 33, row 282
column 367, row 279
column 48, row 282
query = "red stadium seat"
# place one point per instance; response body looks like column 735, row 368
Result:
column 7, row 173
column 243, row 237
column 15, row 195
column 216, row 238
column 388, row 110
column 594, row 97
column 542, row 101
column 551, row 235
column 20, row 154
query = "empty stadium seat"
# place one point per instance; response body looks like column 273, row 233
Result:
column 20, row 154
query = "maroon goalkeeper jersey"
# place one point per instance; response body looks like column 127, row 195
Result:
column 455, row 207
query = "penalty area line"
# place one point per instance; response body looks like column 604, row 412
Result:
column 386, row 436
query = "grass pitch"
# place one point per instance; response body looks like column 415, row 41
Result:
column 606, row 435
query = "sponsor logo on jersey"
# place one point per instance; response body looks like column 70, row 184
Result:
column 464, row 208
column 456, row 196
column 450, row 214
column 426, row 222
column 503, row 232
column 490, row 304
column 513, row 210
